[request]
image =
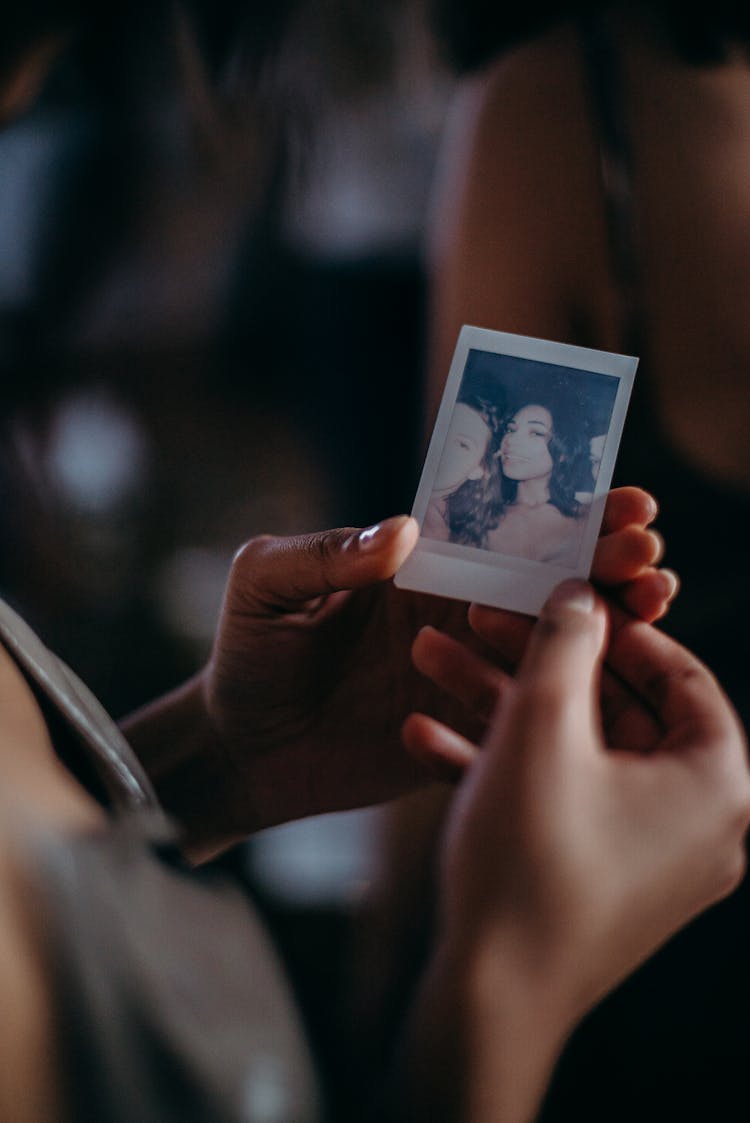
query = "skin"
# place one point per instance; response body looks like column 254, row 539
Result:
column 525, row 456
column 36, row 795
column 546, row 902
column 263, row 733
column 462, row 459
column 498, row 213
column 465, row 446
column 531, row 526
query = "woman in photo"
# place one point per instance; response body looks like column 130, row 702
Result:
column 466, row 499
column 541, row 459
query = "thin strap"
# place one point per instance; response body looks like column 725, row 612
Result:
column 115, row 762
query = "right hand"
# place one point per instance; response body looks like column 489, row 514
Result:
column 586, row 832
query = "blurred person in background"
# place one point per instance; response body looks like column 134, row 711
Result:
column 594, row 187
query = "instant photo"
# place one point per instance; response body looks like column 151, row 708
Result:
column 512, row 494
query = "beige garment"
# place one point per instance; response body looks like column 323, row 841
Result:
column 169, row 998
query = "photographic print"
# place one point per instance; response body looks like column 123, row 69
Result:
column 512, row 494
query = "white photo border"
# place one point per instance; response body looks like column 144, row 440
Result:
column 500, row 580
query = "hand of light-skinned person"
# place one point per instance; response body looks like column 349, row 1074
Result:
column 577, row 844
column 299, row 708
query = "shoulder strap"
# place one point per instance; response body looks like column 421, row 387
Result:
column 117, row 766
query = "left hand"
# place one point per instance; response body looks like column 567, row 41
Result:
column 311, row 675
column 598, row 817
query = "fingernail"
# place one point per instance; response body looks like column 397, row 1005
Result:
column 674, row 583
column 659, row 545
column 373, row 536
column 573, row 595
column 653, row 508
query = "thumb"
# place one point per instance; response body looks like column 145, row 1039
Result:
column 558, row 677
column 285, row 572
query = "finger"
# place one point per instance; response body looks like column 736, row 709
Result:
column 628, row 723
column 287, row 572
column 626, row 719
column 680, row 690
column 507, row 633
column 626, row 506
column 446, row 753
column 649, row 595
column 559, row 676
column 624, row 554
column 461, row 673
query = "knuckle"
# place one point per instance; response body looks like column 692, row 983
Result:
column 250, row 552
column 735, row 818
column 741, row 800
column 682, row 679
column 567, row 627
column 549, row 627
column 247, row 572
column 732, row 778
column 732, row 871
column 324, row 550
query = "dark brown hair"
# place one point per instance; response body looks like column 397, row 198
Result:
column 472, row 32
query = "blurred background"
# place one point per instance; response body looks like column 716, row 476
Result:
column 211, row 326
column 207, row 330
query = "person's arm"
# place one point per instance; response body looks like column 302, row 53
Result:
column 601, row 814
column 266, row 731
column 482, row 1041
column 299, row 709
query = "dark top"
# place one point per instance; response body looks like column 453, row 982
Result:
column 673, row 1042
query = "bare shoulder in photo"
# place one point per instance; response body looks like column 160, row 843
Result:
column 512, row 493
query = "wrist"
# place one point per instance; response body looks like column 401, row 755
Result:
column 186, row 761
column 502, row 977
column 485, row 1037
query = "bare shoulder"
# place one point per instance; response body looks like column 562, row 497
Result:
column 535, row 99
column 526, row 77
column 23, row 731
column 517, row 230
column 518, row 223
column 43, row 789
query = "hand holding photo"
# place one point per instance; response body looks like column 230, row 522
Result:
column 512, row 494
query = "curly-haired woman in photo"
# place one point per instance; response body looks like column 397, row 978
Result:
column 542, row 454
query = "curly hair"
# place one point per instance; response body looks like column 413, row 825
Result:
column 569, row 450
column 474, row 509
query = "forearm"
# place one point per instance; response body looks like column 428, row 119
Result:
column 481, row 1045
column 186, row 763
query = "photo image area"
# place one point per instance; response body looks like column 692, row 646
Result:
column 518, row 467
